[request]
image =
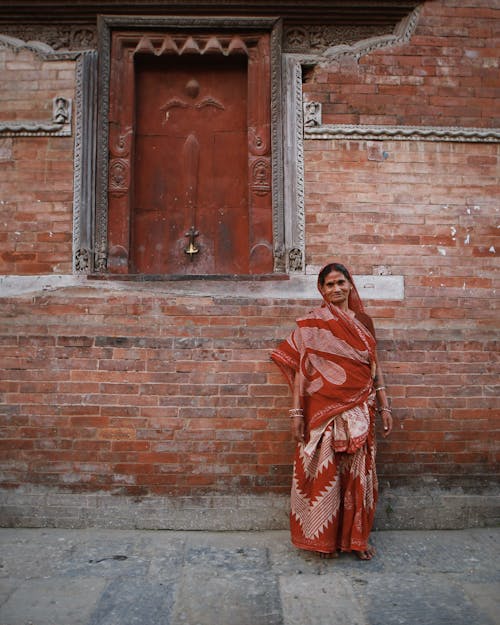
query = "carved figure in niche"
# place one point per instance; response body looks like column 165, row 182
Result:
column 61, row 110
column 101, row 258
column 119, row 175
column 261, row 177
column 295, row 259
column 312, row 114
column 82, row 260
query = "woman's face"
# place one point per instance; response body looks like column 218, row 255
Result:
column 336, row 289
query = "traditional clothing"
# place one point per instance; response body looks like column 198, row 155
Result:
column 334, row 489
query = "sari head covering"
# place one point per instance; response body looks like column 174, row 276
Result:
column 334, row 354
column 354, row 302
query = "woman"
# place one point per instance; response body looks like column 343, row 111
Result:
column 331, row 364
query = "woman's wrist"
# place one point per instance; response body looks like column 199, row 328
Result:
column 296, row 412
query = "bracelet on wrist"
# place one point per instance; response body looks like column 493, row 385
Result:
column 380, row 388
column 385, row 410
column 296, row 412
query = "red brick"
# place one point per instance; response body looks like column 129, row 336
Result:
column 177, row 394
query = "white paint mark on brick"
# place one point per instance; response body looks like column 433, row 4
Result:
column 442, row 251
column 492, row 249
column 467, row 239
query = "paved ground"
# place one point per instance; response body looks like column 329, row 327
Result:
column 121, row 577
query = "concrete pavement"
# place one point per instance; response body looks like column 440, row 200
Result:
column 141, row 577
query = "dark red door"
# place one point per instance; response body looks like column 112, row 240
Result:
column 190, row 188
column 190, row 175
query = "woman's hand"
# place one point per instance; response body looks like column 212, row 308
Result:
column 298, row 429
column 386, row 415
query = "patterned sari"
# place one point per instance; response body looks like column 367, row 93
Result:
column 334, row 488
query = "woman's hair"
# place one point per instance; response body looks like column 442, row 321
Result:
column 333, row 267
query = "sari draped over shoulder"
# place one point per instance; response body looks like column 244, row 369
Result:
column 334, row 487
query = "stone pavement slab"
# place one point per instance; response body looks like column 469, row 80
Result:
column 141, row 577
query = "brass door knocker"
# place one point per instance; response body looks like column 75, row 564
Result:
column 192, row 248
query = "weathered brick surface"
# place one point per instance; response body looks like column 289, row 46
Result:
column 162, row 402
column 136, row 391
column 36, row 173
column 175, row 396
column 448, row 74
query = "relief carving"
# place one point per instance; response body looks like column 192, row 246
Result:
column 295, row 262
column 82, row 260
column 84, row 161
column 172, row 104
column 58, row 126
column 313, row 38
column 192, row 89
column 60, row 38
column 119, row 144
column 261, row 176
column 258, row 143
column 119, row 176
column 101, row 258
column 312, row 114
column 209, row 101
column 191, row 44
column 61, row 110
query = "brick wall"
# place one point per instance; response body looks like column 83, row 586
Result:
column 133, row 389
column 447, row 75
column 144, row 393
column 36, row 173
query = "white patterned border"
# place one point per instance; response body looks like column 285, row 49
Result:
column 403, row 133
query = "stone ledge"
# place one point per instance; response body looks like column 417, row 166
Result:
column 398, row 509
column 299, row 287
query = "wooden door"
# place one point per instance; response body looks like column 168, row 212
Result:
column 190, row 206
column 189, row 188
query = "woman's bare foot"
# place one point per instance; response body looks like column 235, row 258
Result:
column 366, row 554
column 328, row 556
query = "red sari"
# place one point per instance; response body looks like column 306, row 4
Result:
column 334, row 488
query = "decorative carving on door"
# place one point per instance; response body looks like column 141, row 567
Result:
column 125, row 214
column 190, row 170
column 261, row 176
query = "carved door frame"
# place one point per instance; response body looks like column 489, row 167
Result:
column 106, row 26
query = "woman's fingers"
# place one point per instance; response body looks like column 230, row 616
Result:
column 387, row 421
column 298, row 429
